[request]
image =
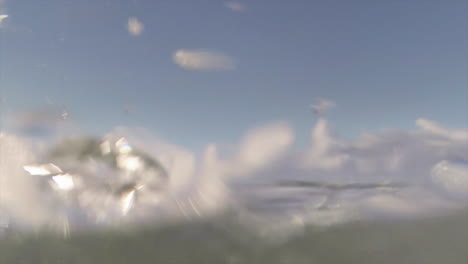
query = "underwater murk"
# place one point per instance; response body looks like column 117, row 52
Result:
column 129, row 197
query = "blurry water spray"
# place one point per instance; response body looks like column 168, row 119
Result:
column 130, row 177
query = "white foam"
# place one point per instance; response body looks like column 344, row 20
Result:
column 199, row 189
column 452, row 176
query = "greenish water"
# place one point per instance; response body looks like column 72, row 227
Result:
column 286, row 221
column 431, row 240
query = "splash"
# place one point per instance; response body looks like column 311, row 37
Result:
column 130, row 177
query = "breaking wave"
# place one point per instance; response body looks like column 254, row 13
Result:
column 130, row 178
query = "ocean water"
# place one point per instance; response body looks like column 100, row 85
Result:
column 219, row 240
column 126, row 197
column 69, row 69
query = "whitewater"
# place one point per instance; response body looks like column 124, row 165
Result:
column 387, row 197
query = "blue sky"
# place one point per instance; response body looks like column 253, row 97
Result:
column 384, row 63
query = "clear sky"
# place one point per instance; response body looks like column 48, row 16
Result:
column 200, row 71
